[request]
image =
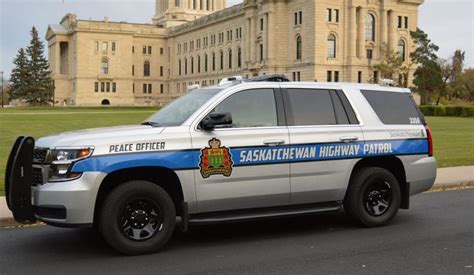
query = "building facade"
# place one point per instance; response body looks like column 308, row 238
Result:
column 202, row 41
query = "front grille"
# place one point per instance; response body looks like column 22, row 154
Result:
column 37, row 176
column 39, row 155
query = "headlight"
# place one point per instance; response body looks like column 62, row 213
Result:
column 62, row 160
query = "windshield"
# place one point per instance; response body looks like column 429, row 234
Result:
column 178, row 111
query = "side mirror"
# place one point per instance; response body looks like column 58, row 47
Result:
column 211, row 121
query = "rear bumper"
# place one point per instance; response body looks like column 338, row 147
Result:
column 421, row 174
column 68, row 203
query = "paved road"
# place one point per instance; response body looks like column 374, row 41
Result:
column 435, row 236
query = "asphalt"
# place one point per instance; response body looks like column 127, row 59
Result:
column 436, row 236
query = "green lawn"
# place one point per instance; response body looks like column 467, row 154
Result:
column 453, row 137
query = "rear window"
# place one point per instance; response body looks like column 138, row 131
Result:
column 394, row 107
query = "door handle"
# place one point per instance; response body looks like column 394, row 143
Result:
column 274, row 142
column 348, row 139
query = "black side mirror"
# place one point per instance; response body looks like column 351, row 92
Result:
column 211, row 121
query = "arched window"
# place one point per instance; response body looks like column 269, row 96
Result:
column 179, row 67
column 401, row 50
column 230, row 59
column 370, row 27
column 213, row 61
column 298, row 48
column 105, row 102
column 104, row 66
column 331, row 46
column 239, row 57
column 146, row 68
column 185, row 66
column 199, row 64
column 222, row 60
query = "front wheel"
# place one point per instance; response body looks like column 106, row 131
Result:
column 373, row 197
column 137, row 217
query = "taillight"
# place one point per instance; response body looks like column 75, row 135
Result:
column 430, row 142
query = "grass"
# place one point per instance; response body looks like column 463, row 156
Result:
column 453, row 137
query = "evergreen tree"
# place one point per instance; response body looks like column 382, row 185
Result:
column 40, row 91
column 20, row 78
column 428, row 76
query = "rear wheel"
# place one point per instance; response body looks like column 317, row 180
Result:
column 137, row 217
column 373, row 197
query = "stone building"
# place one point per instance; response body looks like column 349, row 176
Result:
column 202, row 41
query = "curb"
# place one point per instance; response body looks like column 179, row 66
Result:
column 11, row 223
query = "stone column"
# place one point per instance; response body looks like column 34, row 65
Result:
column 392, row 30
column 271, row 37
column 248, row 38
column 253, row 56
column 361, row 32
column 352, row 31
column 205, row 5
column 57, row 56
column 383, row 27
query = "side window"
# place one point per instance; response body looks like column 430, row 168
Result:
column 311, row 107
column 252, row 108
column 394, row 107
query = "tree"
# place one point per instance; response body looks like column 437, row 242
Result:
column 40, row 92
column 428, row 76
column 465, row 85
column 20, row 77
column 457, row 65
column 392, row 64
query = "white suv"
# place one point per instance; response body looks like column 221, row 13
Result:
column 242, row 150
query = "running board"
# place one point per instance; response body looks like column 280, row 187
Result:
column 243, row 215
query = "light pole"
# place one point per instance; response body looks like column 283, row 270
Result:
column 2, row 87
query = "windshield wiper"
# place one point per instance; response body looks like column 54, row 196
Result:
column 151, row 123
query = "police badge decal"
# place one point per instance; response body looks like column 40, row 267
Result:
column 215, row 160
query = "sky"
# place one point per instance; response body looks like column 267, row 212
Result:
column 449, row 23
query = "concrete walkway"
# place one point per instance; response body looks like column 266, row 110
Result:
column 446, row 178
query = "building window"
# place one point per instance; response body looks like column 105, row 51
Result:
column 105, row 46
column 185, row 66
column 162, row 88
column 114, row 87
column 239, row 57
column 336, row 15
column 145, row 88
column 298, row 76
column 401, row 50
column 133, row 69
column 406, row 22
column 261, row 24
column 370, row 27
column 376, row 77
column 108, row 87
column 331, row 46
column 261, row 52
column 104, row 67
column 192, row 65
column 133, row 49
column 144, row 50
column 149, row 49
column 177, row 3
column 213, row 61
column 329, row 15
column 359, row 76
column 102, row 87
column 96, row 87
column 400, row 19
column 301, row 17
column 336, row 76
column 162, row 51
column 146, row 68
column 296, row 18
column 370, row 54
column 298, row 48
column 161, row 70
column 329, row 76
column 113, row 46
column 230, row 59
column 205, row 62
column 222, row 60
column 97, row 45
column 179, row 67
column 149, row 88
column 199, row 64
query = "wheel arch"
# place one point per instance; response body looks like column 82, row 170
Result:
column 392, row 164
column 161, row 176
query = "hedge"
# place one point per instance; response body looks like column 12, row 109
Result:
column 458, row 111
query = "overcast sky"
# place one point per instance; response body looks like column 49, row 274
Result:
column 449, row 23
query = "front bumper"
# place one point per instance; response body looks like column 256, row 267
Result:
column 76, row 197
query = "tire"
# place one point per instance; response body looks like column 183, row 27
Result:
column 137, row 217
column 373, row 197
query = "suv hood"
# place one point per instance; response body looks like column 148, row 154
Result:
column 92, row 137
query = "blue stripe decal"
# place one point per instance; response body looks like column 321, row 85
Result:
column 252, row 155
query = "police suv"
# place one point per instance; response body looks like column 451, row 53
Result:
column 244, row 149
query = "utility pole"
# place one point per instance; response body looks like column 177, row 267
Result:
column 2, row 89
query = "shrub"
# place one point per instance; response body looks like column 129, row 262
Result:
column 456, row 111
